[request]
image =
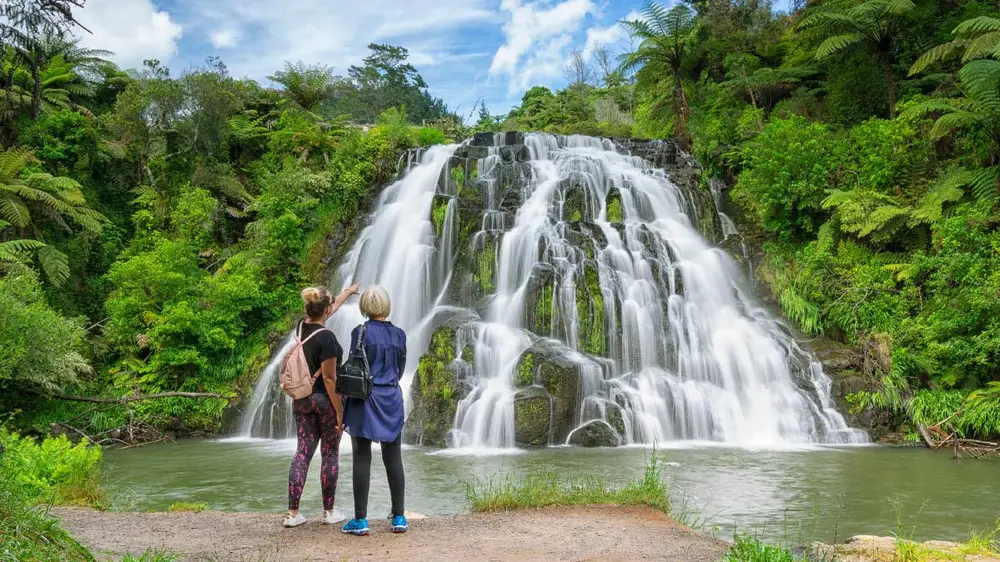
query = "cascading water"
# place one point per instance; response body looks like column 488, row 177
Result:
column 396, row 250
column 589, row 294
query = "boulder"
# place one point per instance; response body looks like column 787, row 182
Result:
column 532, row 417
column 435, row 392
column 597, row 433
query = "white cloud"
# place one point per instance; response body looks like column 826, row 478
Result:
column 610, row 36
column 133, row 29
column 225, row 38
column 334, row 32
column 537, row 39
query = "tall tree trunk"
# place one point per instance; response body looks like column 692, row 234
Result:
column 36, row 93
column 891, row 81
column 683, row 112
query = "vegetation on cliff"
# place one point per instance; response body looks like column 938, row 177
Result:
column 155, row 228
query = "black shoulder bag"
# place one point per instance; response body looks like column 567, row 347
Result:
column 354, row 378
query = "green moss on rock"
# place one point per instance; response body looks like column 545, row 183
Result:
column 435, row 392
column 485, row 265
column 532, row 415
column 525, row 373
column 439, row 214
column 614, row 211
column 590, row 312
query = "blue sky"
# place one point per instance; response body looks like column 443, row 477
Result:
column 467, row 50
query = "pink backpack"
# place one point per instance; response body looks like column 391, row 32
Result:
column 296, row 379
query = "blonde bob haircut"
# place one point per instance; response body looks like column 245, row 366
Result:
column 375, row 302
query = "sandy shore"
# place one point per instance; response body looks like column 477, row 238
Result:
column 551, row 534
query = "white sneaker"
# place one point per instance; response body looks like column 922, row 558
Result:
column 295, row 521
column 333, row 517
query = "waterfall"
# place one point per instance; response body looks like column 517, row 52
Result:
column 396, row 249
column 569, row 255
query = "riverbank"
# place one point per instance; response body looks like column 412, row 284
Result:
column 557, row 533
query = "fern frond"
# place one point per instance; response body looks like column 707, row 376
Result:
column 935, row 54
column 947, row 189
column 950, row 122
column 899, row 7
column 977, row 25
column 837, row 43
column 14, row 211
column 928, row 107
column 984, row 184
column 981, row 79
column 983, row 46
column 55, row 264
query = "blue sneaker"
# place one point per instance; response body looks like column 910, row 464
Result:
column 357, row 527
column 399, row 524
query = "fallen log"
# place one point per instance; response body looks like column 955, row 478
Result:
column 137, row 398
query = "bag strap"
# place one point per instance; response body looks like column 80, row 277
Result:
column 361, row 338
column 303, row 342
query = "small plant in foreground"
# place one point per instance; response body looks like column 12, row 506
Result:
column 195, row 507
column 545, row 489
column 748, row 549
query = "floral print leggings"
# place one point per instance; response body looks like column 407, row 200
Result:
column 315, row 421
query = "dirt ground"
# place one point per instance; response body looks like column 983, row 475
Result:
column 551, row 534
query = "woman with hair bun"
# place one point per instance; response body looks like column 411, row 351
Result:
column 320, row 416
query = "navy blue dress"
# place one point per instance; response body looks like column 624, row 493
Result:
column 380, row 418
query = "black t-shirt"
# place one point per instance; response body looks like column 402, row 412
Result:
column 320, row 348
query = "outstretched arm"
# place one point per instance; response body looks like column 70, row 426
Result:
column 343, row 296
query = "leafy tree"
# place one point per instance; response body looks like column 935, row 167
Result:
column 308, row 86
column 40, row 350
column 875, row 24
column 664, row 36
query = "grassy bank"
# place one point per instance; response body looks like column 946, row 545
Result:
column 35, row 476
column 544, row 489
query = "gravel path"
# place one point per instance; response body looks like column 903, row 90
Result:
column 552, row 534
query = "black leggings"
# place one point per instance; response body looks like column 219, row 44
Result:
column 392, row 458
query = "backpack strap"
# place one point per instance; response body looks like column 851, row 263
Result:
column 298, row 335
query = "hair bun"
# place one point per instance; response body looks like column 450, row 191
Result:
column 312, row 294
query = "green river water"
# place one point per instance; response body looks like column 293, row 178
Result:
column 793, row 496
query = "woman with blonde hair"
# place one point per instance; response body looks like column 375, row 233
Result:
column 319, row 416
column 380, row 418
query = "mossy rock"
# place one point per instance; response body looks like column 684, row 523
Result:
column 615, row 419
column 561, row 379
column 524, row 374
column 597, row 433
column 590, row 311
column 435, row 392
column 532, row 417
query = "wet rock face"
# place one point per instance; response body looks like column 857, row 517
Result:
column 485, row 180
column 435, row 392
column 597, row 433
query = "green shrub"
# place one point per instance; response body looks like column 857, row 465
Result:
column 26, row 530
column 54, row 470
column 788, row 169
column 749, row 549
column 430, row 136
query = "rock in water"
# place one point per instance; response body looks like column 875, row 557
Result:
column 596, row 433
